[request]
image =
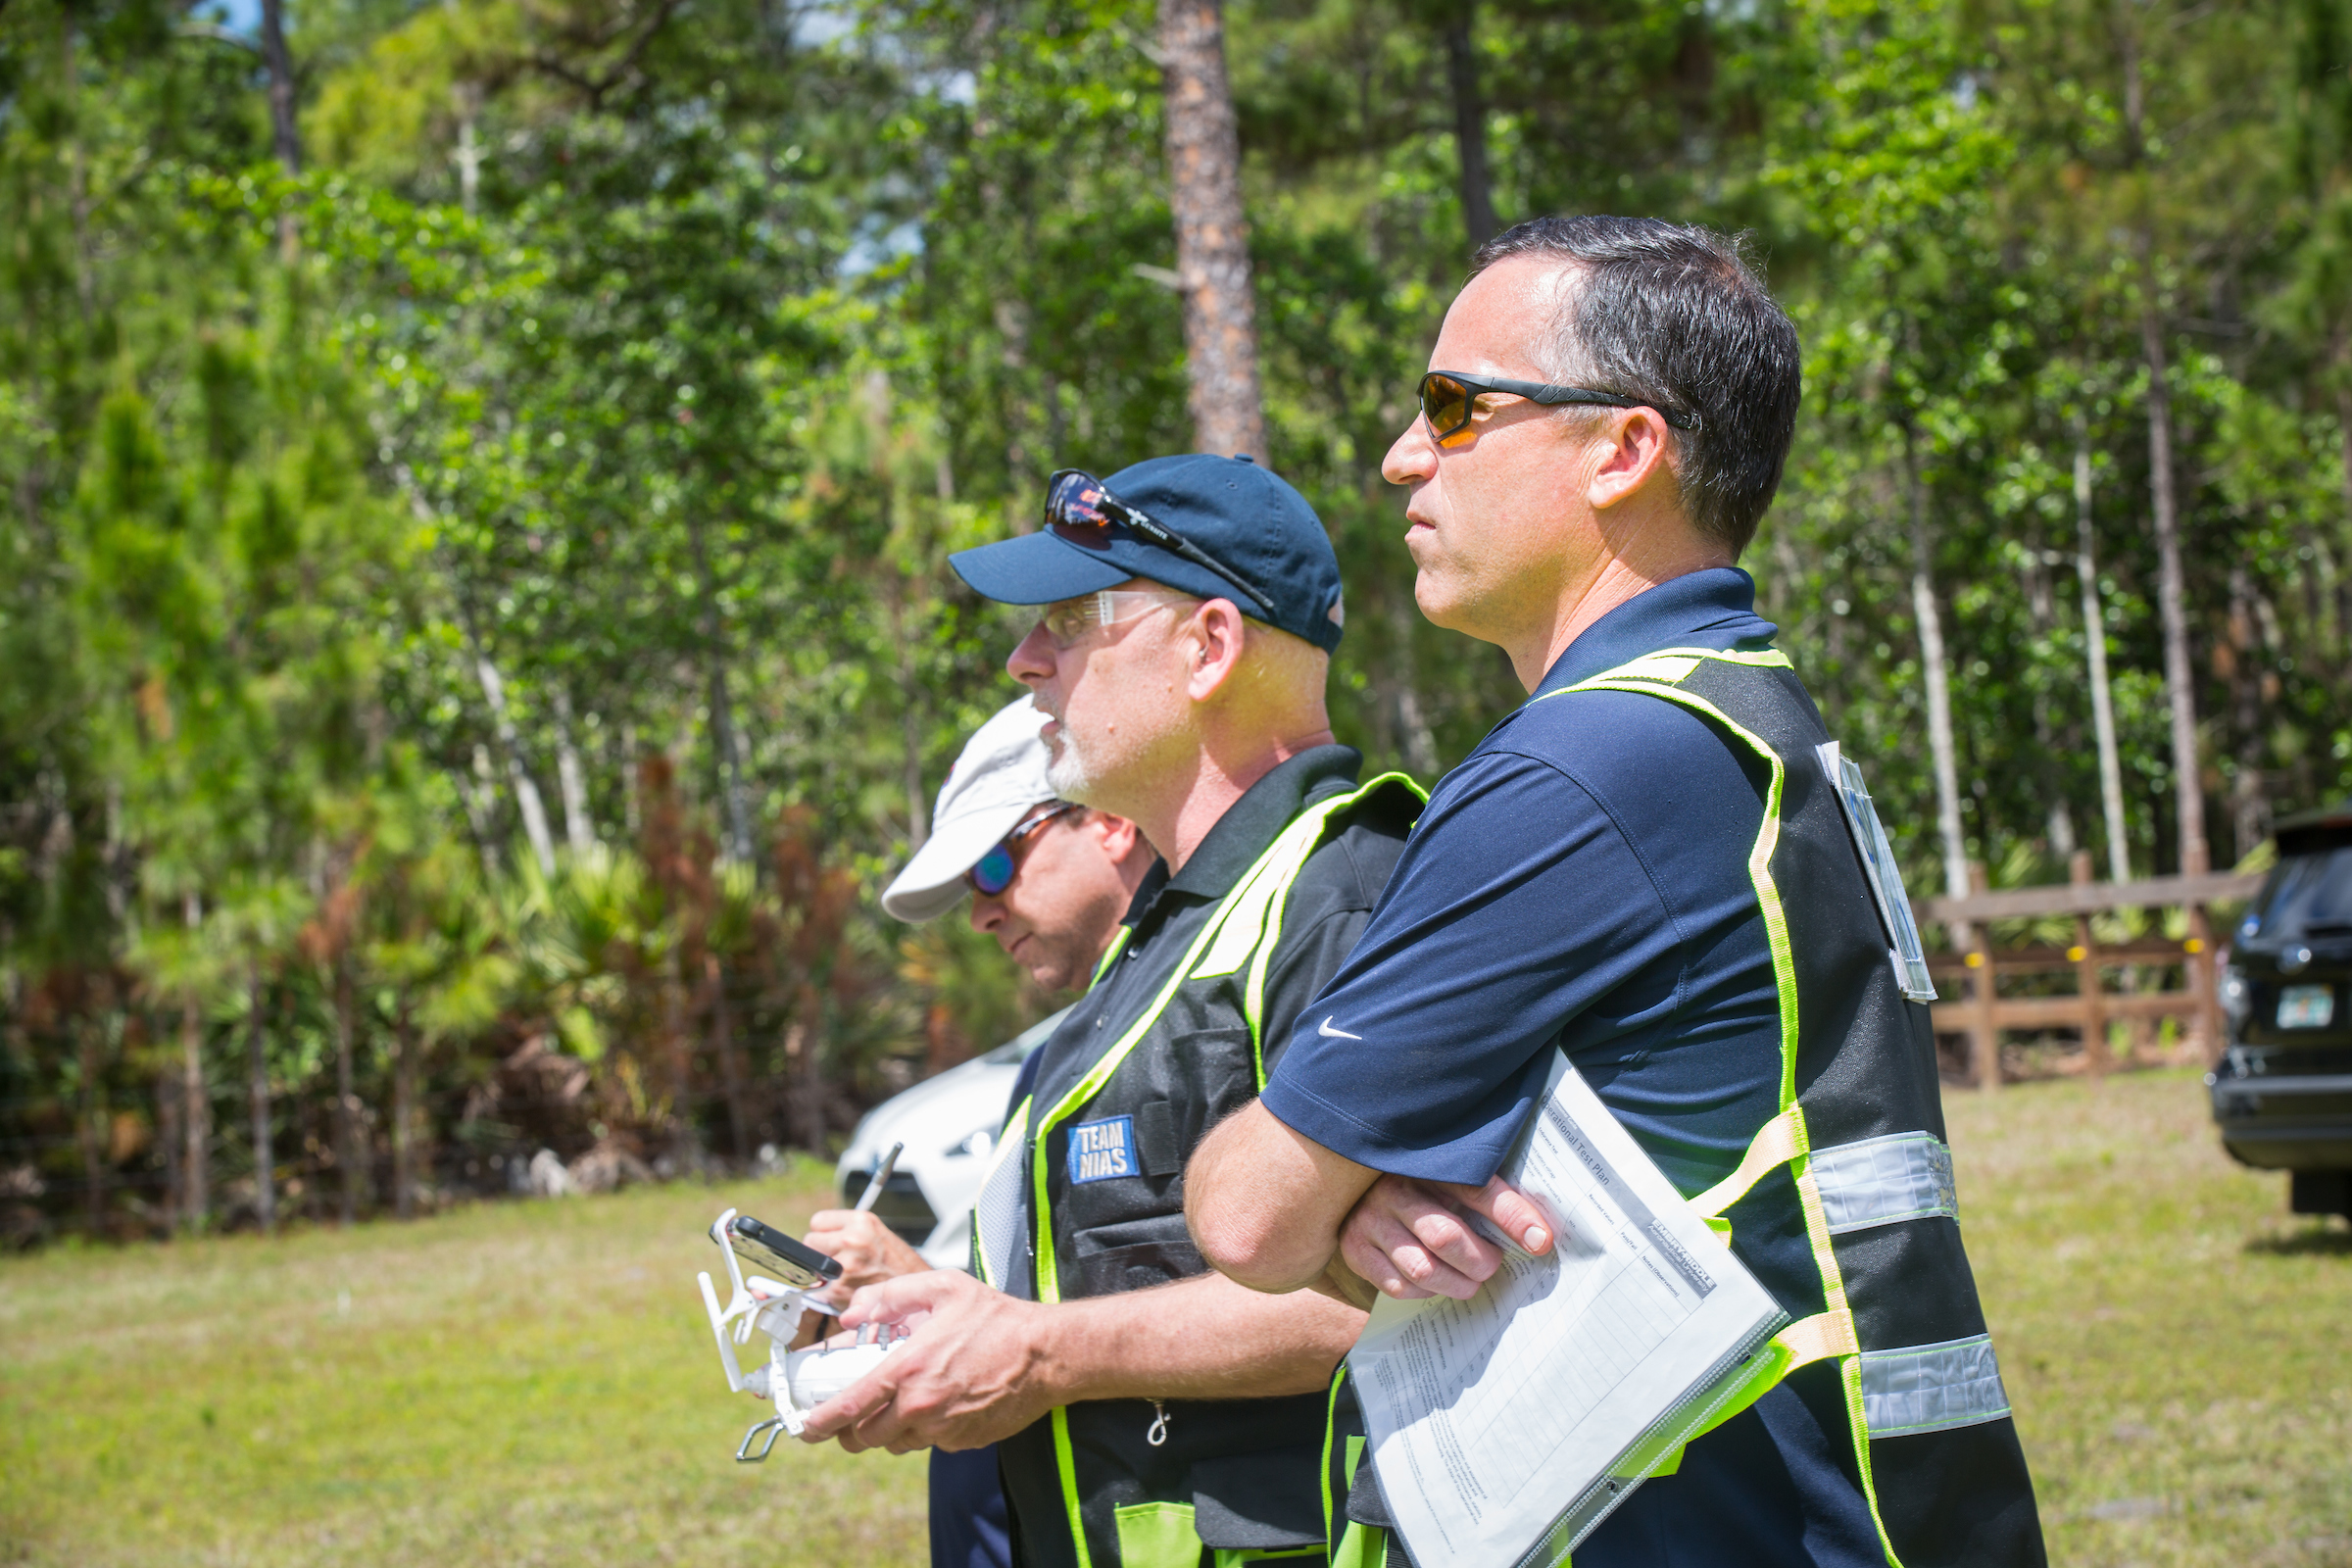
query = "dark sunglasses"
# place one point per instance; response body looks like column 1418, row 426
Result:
column 1081, row 510
column 996, row 869
column 1446, row 400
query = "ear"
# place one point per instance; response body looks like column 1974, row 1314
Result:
column 1213, row 642
column 1117, row 836
column 1633, row 458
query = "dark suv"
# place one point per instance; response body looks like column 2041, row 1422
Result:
column 2282, row 1094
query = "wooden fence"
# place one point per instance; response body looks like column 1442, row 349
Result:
column 1981, row 1014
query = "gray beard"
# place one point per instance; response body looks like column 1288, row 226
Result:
column 1069, row 775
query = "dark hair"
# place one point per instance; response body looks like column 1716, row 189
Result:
column 1673, row 314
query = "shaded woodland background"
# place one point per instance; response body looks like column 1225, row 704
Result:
column 474, row 635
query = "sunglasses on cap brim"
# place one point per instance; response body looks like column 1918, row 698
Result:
column 1081, row 510
column 1448, row 399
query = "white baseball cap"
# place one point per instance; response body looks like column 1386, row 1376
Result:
column 993, row 784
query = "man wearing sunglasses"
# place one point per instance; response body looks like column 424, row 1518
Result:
column 1644, row 868
column 1048, row 880
column 1148, row 1412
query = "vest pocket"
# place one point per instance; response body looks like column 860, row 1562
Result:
column 1158, row 1535
column 1135, row 1255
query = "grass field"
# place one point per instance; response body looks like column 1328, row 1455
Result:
column 532, row 1384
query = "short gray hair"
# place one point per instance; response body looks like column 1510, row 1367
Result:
column 1673, row 313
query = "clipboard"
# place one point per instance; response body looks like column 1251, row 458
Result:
column 1506, row 1427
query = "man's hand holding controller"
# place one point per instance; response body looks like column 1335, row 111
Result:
column 867, row 1250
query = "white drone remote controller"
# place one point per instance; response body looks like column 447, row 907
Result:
column 798, row 1380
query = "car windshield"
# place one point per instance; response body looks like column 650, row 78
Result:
column 2311, row 895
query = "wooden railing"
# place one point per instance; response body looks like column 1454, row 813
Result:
column 1981, row 1013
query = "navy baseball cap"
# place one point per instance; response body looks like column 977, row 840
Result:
column 1249, row 518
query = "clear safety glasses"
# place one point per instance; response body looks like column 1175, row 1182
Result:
column 1067, row 619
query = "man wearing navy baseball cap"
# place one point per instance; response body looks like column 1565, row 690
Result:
column 1150, row 1412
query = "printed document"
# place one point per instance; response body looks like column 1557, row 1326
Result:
column 1506, row 1427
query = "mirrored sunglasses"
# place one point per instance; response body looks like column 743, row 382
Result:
column 994, row 871
column 1081, row 510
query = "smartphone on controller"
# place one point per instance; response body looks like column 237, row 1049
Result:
column 767, row 1250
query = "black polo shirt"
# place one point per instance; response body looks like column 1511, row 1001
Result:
column 1326, row 911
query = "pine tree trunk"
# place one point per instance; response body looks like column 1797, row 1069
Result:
column 169, row 1135
column 196, row 1122
column 1419, row 745
column 1938, row 674
column 801, row 1055
column 1469, row 125
column 911, row 717
column 526, row 791
column 2102, row 699
column 685, row 1134
column 2343, row 585
column 196, row 1104
column 91, row 1124
column 1212, row 236
column 730, row 1061
column 579, row 829
column 285, row 132
column 2249, row 798
column 2057, row 812
column 729, row 771
column 347, row 1104
column 2188, row 795
column 265, row 1168
column 404, row 1116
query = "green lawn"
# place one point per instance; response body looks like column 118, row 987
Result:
column 2173, row 1340
column 533, row 1383
column 515, row 1384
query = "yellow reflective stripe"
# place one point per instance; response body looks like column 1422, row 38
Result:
column 1775, row 1145
column 1242, row 929
column 1253, row 999
column 1068, row 1469
column 1282, row 858
column 1110, row 956
column 1331, row 1421
column 1833, row 1280
column 1657, row 667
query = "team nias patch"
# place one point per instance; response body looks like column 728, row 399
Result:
column 1102, row 1149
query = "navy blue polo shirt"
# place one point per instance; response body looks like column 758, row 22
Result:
column 1581, row 881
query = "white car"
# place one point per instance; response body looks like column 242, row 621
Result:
column 949, row 1125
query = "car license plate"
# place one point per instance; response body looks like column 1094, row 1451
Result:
column 2305, row 1007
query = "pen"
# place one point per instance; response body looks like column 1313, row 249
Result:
column 873, row 1186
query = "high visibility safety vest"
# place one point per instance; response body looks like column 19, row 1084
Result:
column 1176, row 1483
column 1855, row 1163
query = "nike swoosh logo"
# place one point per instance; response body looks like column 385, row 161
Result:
column 1328, row 1033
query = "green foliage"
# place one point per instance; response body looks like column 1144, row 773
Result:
column 485, row 602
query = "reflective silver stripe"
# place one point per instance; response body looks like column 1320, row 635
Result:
column 1882, row 1180
column 1931, row 1387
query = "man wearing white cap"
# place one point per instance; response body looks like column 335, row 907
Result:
column 1048, row 880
